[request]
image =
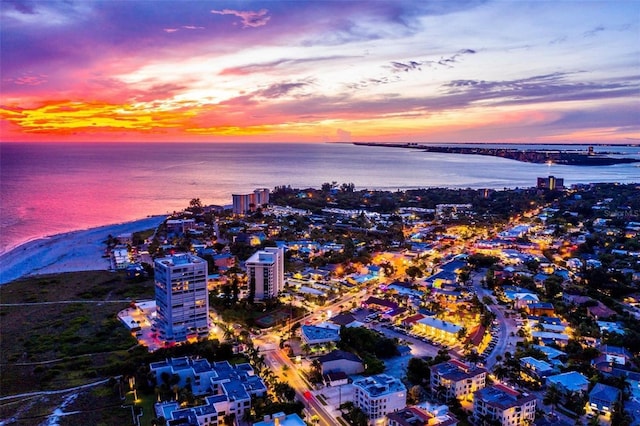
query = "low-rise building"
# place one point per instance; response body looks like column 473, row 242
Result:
column 536, row 368
column 422, row 416
column 346, row 362
column 571, row 381
column 230, row 389
column 281, row 419
column 602, row 397
column 437, row 328
column 379, row 395
column 457, row 379
column 505, row 405
column 315, row 335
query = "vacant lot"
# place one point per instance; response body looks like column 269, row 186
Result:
column 56, row 331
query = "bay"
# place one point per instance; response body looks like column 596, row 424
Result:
column 50, row 188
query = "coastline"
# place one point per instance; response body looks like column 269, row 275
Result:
column 79, row 250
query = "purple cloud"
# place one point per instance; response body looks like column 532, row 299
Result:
column 250, row 19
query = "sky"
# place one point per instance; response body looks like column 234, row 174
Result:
column 320, row 71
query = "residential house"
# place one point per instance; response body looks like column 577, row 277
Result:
column 571, row 381
column 337, row 360
column 536, row 368
column 602, row 397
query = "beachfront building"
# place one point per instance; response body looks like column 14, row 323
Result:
column 379, row 395
column 182, row 298
column 265, row 271
column 504, row 406
column 455, row 379
column 243, row 203
column 228, row 390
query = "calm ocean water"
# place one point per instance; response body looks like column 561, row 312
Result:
column 47, row 189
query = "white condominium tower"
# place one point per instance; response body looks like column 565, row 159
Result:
column 182, row 298
column 243, row 203
column 265, row 271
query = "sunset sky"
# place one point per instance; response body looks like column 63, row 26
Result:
column 414, row 71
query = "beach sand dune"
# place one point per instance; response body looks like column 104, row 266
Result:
column 68, row 252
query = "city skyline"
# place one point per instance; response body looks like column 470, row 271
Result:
column 538, row 72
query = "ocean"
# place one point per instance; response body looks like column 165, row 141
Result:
column 50, row 188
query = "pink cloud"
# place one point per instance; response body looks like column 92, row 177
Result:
column 249, row 18
column 28, row 79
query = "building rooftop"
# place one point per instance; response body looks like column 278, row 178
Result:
column 180, row 259
column 418, row 416
column 550, row 352
column 280, row 419
column 312, row 333
column 380, row 384
column 440, row 324
column 455, row 370
column 571, row 381
column 536, row 364
column 604, row 392
column 339, row 355
column 502, row 396
column 343, row 319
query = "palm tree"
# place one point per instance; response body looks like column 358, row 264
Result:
column 306, row 349
column 553, row 397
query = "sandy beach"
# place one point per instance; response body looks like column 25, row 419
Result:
column 69, row 252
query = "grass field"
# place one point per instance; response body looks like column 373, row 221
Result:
column 60, row 331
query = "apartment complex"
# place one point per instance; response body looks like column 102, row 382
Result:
column 379, row 395
column 227, row 390
column 265, row 272
column 182, row 298
column 243, row 203
column 457, row 379
column 504, row 405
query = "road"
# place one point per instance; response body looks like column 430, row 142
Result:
column 505, row 342
column 275, row 359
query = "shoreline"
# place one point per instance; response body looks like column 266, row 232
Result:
column 79, row 250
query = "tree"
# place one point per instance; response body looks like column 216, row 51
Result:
column 413, row 272
column 195, row 206
column 552, row 397
column 462, row 334
column 418, row 371
column 619, row 416
column 415, row 394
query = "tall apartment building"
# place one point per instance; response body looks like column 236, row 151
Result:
column 243, row 203
column 504, row 405
column 458, row 379
column 551, row 183
column 379, row 395
column 182, row 298
column 265, row 271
